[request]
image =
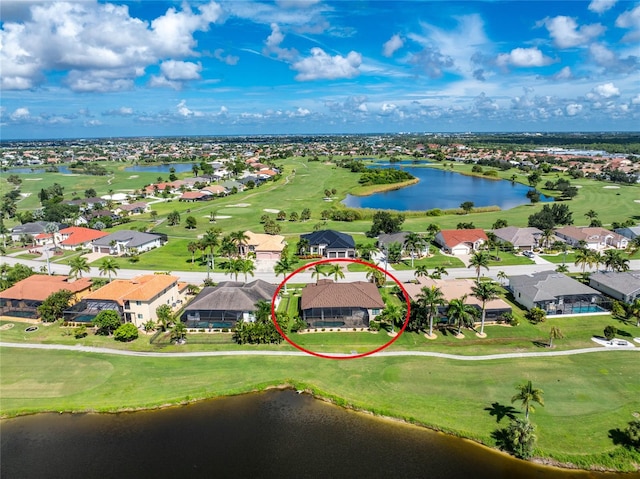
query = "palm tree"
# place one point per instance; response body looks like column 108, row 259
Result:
column 633, row 310
column 78, row 266
column 527, row 394
column 239, row 238
column 597, row 259
column 233, row 266
column 438, row 272
column 192, row 247
column 485, row 292
column 317, row 271
column 562, row 268
column 429, row 299
column 555, row 333
column 591, row 214
column 460, row 313
column 210, row 240
column 479, row 259
column 247, row 266
column 283, row 267
column 393, row 314
column 613, row 259
column 336, row 271
column 108, row 266
column 303, row 246
column 584, row 258
column 546, row 237
column 501, row 276
column 634, row 246
column 413, row 242
column 52, row 229
column 421, row 271
column 376, row 276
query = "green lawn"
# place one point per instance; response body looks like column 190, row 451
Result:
column 585, row 395
column 437, row 259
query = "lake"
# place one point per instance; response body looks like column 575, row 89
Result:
column 445, row 189
column 276, row 434
column 179, row 167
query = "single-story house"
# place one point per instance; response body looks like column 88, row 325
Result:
column 88, row 203
column 556, row 293
column 78, row 237
column 231, row 184
column 455, row 289
column 385, row 239
column 134, row 208
column 23, row 298
column 217, row 190
column 222, row 306
column 459, row 242
column 135, row 300
column 32, row 229
column 264, row 246
column 596, row 238
column 196, row 196
column 331, row 244
column 631, row 232
column 623, row 286
column 326, row 304
column 520, row 238
column 124, row 241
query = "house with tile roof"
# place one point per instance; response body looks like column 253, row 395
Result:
column 191, row 196
column 326, row 304
column 523, row 239
column 135, row 300
column 127, row 241
column 217, row 190
column 222, row 306
column 78, row 237
column 23, row 298
column 556, row 293
column 32, row 229
column 460, row 242
column 136, row 208
column 623, row 286
column 331, row 244
column 595, row 238
column 263, row 246
column 455, row 289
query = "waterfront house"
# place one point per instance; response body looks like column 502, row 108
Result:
column 23, row 298
column 623, row 286
column 461, row 242
column 135, row 300
column 127, row 242
column 263, row 246
column 556, row 293
column 340, row 305
column 455, row 289
column 331, row 244
column 595, row 238
column 222, row 306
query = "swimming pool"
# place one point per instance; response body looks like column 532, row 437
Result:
column 21, row 314
column 209, row 324
column 327, row 324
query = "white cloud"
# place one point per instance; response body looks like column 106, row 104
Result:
column 272, row 45
column 601, row 6
column 606, row 90
column 566, row 33
column 185, row 112
column 180, row 71
column 20, row 114
column 392, row 45
column 218, row 54
column 122, row 111
column 631, row 20
column 322, row 66
column 573, row 109
column 524, row 57
column 101, row 41
column 564, row 74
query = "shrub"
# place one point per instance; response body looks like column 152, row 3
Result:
column 434, row 212
column 80, row 332
column 610, row 332
column 536, row 315
column 126, row 332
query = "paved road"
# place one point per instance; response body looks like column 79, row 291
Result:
column 404, row 276
column 488, row 357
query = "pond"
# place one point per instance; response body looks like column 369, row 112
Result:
column 179, row 167
column 444, row 189
column 277, row 434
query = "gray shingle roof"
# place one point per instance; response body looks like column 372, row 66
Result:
column 333, row 239
column 549, row 285
column 232, row 296
column 133, row 239
column 626, row 283
column 518, row 237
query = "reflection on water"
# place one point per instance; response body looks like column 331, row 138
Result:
column 278, row 434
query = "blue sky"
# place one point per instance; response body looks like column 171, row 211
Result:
column 92, row 69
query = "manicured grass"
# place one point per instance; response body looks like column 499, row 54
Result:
column 432, row 261
column 585, row 395
column 509, row 259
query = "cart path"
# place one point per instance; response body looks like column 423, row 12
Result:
column 488, row 357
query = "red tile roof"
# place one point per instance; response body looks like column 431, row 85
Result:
column 39, row 287
column 79, row 235
column 455, row 237
column 142, row 288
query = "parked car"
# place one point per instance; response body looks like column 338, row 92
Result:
column 529, row 254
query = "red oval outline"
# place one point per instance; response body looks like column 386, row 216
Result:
column 339, row 260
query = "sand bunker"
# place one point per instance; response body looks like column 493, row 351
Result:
column 612, row 187
column 271, row 210
column 636, row 201
column 239, row 205
column 32, row 179
column 223, row 217
column 133, row 176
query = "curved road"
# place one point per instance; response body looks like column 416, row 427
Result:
column 488, row 357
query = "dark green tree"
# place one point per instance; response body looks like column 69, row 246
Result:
column 52, row 308
column 107, row 321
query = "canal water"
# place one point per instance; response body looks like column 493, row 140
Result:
column 445, row 190
column 276, row 434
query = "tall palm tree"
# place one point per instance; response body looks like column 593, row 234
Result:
column 52, row 229
column 555, row 333
column 485, row 292
column 429, row 299
column 227, row 247
column 421, row 271
column 527, row 394
column 247, row 266
column 240, row 239
column 317, row 271
column 376, row 276
column 584, row 258
column 438, row 272
column 546, row 237
column 597, row 259
column 233, row 266
column 108, row 266
column 78, row 266
column 210, row 240
column 393, row 314
column 283, row 267
column 460, row 313
column 502, row 276
column 336, row 271
column 633, row 310
column 479, row 259
column 413, row 242
column 192, row 247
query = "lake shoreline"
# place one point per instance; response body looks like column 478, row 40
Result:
column 373, row 189
column 305, row 388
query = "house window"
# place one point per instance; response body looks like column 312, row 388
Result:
column 375, row 311
column 139, row 316
column 138, row 303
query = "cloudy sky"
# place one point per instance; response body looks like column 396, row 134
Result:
column 95, row 68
